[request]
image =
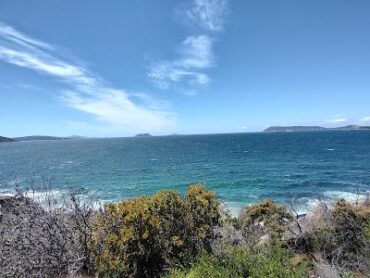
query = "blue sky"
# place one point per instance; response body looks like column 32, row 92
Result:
column 117, row 68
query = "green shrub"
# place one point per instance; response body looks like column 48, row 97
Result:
column 349, row 227
column 272, row 262
column 277, row 262
column 339, row 235
column 265, row 217
column 266, row 211
column 343, row 240
column 143, row 236
column 207, row 266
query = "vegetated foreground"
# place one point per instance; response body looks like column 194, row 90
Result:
column 174, row 235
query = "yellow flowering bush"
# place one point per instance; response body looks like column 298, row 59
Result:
column 143, row 236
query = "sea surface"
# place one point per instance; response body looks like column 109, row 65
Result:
column 296, row 168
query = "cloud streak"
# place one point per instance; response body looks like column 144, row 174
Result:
column 337, row 120
column 195, row 54
column 114, row 108
column 10, row 34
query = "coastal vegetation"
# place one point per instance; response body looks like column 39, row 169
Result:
column 175, row 235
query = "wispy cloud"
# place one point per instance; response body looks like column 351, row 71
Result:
column 207, row 14
column 114, row 107
column 86, row 92
column 9, row 33
column 195, row 54
column 22, row 86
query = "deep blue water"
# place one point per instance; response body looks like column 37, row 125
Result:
column 241, row 168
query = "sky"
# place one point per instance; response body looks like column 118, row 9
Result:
column 117, row 68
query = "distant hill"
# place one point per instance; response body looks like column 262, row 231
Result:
column 143, row 135
column 39, row 138
column 353, row 127
column 313, row 128
column 6, row 139
column 77, row 137
column 293, row 128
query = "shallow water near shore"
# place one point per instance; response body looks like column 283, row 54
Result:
column 241, row 168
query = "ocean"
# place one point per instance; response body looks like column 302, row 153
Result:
column 296, row 168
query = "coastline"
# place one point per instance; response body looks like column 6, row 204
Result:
column 301, row 206
column 90, row 238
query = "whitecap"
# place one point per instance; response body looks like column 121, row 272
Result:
column 305, row 205
column 131, row 187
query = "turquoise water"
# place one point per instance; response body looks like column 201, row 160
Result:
column 241, row 168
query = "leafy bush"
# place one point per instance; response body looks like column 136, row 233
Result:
column 266, row 218
column 207, row 266
column 339, row 235
column 142, row 236
column 343, row 240
column 272, row 262
column 277, row 262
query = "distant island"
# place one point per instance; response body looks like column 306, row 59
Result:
column 6, row 139
column 143, row 135
column 271, row 129
column 313, row 128
column 39, row 138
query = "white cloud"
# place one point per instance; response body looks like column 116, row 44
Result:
column 337, row 120
column 197, row 52
column 9, row 33
column 114, row 108
column 44, row 63
column 195, row 55
column 187, row 71
column 207, row 14
column 365, row 119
